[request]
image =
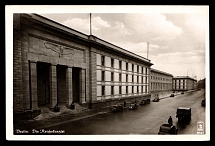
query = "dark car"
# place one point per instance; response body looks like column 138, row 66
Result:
column 133, row 106
column 172, row 95
column 203, row 102
column 117, row 108
column 156, row 100
column 182, row 92
column 183, row 113
column 167, row 129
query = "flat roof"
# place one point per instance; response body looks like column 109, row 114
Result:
column 162, row 72
column 55, row 24
column 184, row 77
column 187, row 108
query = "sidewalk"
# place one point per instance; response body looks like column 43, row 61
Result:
column 61, row 118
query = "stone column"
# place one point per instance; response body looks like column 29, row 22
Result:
column 53, row 85
column 82, row 86
column 33, row 82
column 69, row 85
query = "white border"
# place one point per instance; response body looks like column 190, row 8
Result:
column 95, row 9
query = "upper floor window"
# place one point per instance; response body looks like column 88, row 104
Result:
column 103, row 60
column 112, row 76
column 103, row 75
column 120, row 77
column 120, row 64
column 112, row 62
column 126, row 65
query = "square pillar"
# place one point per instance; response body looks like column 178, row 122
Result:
column 33, row 84
column 83, row 86
column 53, row 85
column 69, row 85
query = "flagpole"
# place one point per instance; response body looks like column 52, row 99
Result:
column 147, row 49
column 90, row 25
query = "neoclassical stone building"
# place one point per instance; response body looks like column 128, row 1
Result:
column 54, row 64
column 161, row 83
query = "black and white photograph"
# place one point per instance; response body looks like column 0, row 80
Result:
column 107, row 72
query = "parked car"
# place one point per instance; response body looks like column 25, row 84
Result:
column 156, row 100
column 117, row 108
column 167, row 129
column 133, row 106
column 203, row 102
column 182, row 92
column 172, row 95
column 143, row 102
column 183, row 113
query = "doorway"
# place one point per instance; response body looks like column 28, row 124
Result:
column 43, row 86
column 76, row 84
column 62, row 91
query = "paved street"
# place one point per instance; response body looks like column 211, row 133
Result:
column 144, row 120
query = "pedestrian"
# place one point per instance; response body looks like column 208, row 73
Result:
column 124, row 103
column 170, row 120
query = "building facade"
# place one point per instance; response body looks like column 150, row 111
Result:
column 54, row 64
column 184, row 83
column 161, row 83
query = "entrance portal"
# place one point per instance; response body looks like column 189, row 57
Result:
column 62, row 91
column 43, row 88
column 76, row 84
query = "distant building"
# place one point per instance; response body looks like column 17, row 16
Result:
column 161, row 83
column 184, row 83
column 54, row 64
column 201, row 84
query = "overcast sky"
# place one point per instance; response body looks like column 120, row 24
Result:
column 176, row 35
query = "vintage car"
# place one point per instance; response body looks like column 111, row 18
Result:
column 133, row 106
column 145, row 101
column 182, row 92
column 183, row 113
column 172, row 95
column 167, row 129
column 156, row 100
column 203, row 102
column 117, row 108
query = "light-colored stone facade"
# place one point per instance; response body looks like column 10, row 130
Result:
column 55, row 64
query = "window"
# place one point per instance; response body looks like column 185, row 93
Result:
column 126, row 89
column 126, row 65
column 120, row 89
column 120, row 64
column 146, row 80
column 112, row 75
column 132, row 67
column 103, row 90
column 103, row 75
column 142, row 89
column 112, row 90
column 137, row 69
column 112, row 62
column 142, row 79
column 126, row 77
column 137, row 89
column 120, row 77
column 103, row 60
column 142, row 70
column 132, row 90
column 137, row 79
column 132, row 78
column 146, row 71
column 146, row 89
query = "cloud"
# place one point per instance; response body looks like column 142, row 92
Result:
column 179, row 63
column 153, row 26
column 79, row 24
column 98, row 23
